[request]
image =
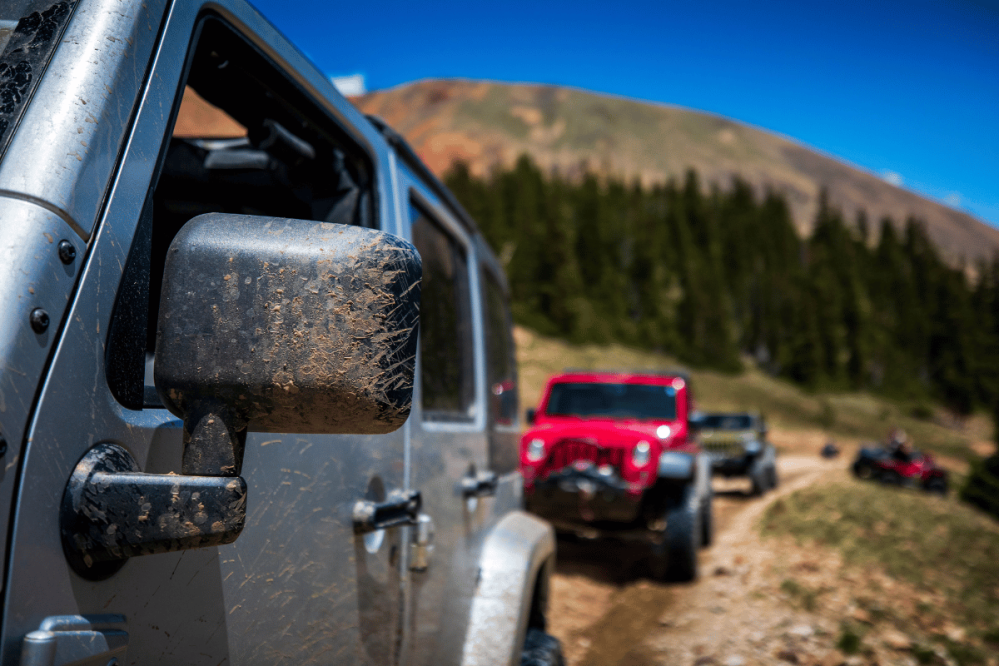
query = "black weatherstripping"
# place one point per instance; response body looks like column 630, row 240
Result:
column 124, row 358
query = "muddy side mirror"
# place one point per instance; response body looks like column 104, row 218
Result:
column 288, row 326
column 265, row 324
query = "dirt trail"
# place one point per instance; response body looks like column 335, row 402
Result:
column 607, row 610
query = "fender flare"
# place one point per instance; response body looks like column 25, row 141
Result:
column 518, row 549
column 703, row 476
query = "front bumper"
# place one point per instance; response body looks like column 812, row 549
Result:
column 571, row 498
column 732, row 465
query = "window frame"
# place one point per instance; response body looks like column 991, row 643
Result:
column 497, row 432
column 151, row 132
column 475, row 421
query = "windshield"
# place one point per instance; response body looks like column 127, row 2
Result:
column 30, row 31
column 619, row 401
column 726, row 422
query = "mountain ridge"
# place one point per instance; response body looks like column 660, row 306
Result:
column 570, row 130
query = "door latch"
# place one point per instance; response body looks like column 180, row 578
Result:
column 80, row 640
column 482, row 484
column 423, row 543
column 399, row 508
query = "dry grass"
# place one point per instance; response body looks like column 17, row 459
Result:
column 919, row 562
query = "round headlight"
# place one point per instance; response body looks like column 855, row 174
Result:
column 663, row 432
column 641, row 454
column 536, row 450
column 753, row 446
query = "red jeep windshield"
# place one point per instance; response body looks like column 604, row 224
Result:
column 613, row 401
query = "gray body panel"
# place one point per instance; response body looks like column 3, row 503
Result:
column 298, row 586
column 29, row 262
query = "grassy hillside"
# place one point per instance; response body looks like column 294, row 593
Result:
column 920, row 567
column 800, row 420
column 490, row 124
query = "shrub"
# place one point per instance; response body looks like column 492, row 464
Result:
column 849, row 640
column 981, row 488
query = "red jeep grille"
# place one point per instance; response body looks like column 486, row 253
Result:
column 568, row 451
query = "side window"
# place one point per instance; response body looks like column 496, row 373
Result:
column 445, row 322
column 501, row 374
column 246, row 140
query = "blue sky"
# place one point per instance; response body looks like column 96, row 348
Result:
column 909, row 91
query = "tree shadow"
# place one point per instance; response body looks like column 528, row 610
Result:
column 737, row 494
column 603, row 560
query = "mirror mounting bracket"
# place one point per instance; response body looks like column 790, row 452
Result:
column 111, row 511
column 214, row 440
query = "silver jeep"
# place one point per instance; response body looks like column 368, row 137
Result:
column 737, row 446
column 255, row 364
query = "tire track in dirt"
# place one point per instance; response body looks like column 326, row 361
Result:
column 605, row 607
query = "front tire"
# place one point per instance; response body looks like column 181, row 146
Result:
column 759, row 477
column 708, row 520
column 863, row 470
column 676, row 557
column 541, row 649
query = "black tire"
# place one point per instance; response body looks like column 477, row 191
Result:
column 758, row 479
column 708, row 520
column 541, row 649
column 676, row 557
column 937, row 485
column 863, row 470
column 774, row 479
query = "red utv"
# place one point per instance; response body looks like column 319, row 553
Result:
column 901, row 465
column 611, row 454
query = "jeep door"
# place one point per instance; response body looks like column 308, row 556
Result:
column 448, row 449
column 298, row 586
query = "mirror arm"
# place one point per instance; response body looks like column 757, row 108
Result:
column 214, row 440
column 111, row 511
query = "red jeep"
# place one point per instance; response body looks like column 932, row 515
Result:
column 611, row 454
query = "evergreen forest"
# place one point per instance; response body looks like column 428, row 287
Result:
column 713, row 276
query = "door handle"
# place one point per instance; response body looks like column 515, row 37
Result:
column 482, row 484
column 82, row 640
column 399, row 508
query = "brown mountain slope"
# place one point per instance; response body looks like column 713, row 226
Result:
column 489, row 124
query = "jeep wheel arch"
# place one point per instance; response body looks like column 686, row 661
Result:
column 517, row 560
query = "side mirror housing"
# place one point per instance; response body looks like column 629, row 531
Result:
column 288, row 326
column 531, row 415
